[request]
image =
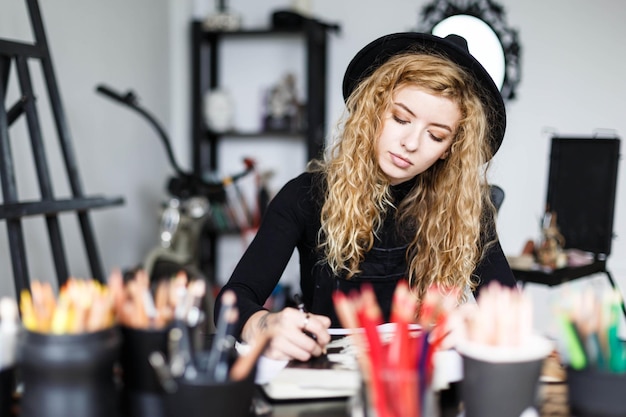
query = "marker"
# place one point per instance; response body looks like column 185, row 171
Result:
column 578, row 359
column 301, row 307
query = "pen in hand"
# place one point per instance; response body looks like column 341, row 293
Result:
column 300, row 305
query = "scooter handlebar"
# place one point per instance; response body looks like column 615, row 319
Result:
column 186, row 183
column 128, row 99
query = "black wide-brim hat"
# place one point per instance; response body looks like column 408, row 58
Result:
column 453, row 47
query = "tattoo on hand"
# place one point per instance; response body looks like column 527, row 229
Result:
column 263, row 321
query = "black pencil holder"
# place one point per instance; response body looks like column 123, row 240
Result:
column 201, row 397
column 142, row 394
column 593, row 393
column 7, row 388
column 195, row 398
column 69, row 375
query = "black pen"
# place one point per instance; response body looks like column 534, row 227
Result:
column 300, row 305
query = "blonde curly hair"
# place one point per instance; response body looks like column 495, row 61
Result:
column 444, row 210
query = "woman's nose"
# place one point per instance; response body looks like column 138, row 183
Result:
column 411, row 142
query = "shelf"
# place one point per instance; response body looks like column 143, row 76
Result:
column 255, row 134
column 205, row 67
column 205, row 70
column 250, row 32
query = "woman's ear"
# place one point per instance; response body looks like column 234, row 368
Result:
column 448, row 151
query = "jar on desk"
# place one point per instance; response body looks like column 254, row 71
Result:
column 69, row 375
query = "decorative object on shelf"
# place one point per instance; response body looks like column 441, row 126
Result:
column 282, row 110
column 223, row 19
column 550, row 253
column 293, row 19
column 303, row 7
column 218, row 110
column 490, row 39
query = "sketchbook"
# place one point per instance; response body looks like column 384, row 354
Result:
column 333, row 375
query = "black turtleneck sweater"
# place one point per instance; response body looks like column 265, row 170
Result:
column 292, row 221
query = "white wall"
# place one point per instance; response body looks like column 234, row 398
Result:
column 126, row 45
column 572, row 82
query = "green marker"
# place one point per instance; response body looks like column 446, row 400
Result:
column 574, row 346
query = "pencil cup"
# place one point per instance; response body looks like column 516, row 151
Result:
column 68, row 375
column 7, row 386
column 402, row 396
column 198, row 398
column 501, row 381
column 142, row 394
column 401, row 392
column 593, row 393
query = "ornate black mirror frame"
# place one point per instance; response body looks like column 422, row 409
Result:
column 494, row 16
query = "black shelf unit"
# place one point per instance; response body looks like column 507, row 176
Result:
column 205, row 62
column 205, row 75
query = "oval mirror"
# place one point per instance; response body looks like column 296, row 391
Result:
column 482, row 41
column 489, row 39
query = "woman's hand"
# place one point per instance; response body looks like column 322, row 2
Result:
column 295, row 334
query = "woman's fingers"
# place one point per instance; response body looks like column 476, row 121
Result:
column 291, row 346
column 317, row 328
column 297, row 335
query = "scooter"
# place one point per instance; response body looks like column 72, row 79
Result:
column 193, row 201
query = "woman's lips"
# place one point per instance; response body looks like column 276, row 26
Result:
column 399, row 161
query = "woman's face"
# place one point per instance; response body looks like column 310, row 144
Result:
column 417, row 131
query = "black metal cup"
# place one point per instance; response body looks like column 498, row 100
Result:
column 200, row 396
column 69, row 375
column 593, row 393
column 142, row 394
column 499, row 389
column 201, row 399
column 501, row 381
column 7, row 388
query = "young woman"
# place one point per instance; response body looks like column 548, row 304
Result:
column 401, row 194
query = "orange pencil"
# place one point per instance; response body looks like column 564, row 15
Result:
column 244, row 363
column 28, row 311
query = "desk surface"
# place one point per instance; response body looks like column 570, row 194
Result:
column 551, row 399
column 552, row 403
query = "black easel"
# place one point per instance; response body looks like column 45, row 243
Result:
column 582, row 187
column 12, row 209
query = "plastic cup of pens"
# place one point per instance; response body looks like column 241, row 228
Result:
column 401, row 389
column 501, row 380
column 142, row 394
column 69, row 374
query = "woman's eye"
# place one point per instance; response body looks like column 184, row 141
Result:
column 400, row 121
column 436, row 138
